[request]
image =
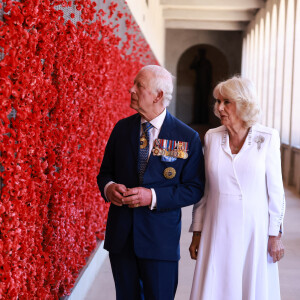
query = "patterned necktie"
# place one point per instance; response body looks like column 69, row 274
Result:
column 144, row 150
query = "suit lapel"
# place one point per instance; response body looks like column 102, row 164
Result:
column 167, row 128
column 248, row 141
column 225, row 142
column 134, row 137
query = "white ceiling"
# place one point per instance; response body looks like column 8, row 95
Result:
column 210, row 14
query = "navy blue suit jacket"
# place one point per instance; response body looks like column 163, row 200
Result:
column 156, row 233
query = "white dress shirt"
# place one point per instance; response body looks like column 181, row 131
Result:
column 153, row 135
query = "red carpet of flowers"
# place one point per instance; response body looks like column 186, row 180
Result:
column 62, row 89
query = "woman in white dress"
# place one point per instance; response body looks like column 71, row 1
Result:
column 237, row 225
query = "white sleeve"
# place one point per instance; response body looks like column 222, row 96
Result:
column 274, row 185
column 199, row 208
column 199, row 213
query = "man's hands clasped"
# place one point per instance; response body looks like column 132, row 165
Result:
column 119, row 195
column 138, row 196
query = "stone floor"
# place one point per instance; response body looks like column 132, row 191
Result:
column 103, row 287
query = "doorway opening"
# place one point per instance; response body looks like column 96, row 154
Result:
column 199, row 69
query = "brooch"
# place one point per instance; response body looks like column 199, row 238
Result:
column 259, row 140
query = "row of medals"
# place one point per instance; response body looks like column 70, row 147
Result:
column 178, row 153
column 157, row 151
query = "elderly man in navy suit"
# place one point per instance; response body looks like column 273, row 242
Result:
column 152, row 166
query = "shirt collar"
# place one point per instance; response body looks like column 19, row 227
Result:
column 158, row 121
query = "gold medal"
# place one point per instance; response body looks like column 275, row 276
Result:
column 180, row 154
column 169, row 173
column 165, row 152
column 156, row 151
column 185, row 155
column 143, row 142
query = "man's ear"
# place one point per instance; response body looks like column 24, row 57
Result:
column 159, row 96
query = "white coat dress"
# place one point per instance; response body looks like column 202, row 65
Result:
column 242, row 205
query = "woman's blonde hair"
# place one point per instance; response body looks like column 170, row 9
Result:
column 242, row 92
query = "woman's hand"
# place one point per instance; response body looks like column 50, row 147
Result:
column 275, row 247
column 195, row 244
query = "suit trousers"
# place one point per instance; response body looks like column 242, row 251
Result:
column 142, row 279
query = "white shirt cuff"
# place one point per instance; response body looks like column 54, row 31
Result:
column 153, row 202
column 105, row 189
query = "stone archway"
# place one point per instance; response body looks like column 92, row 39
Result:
column 199, row 69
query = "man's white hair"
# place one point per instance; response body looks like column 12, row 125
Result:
column 161, row 81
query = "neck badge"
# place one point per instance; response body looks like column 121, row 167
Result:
column 143, row 142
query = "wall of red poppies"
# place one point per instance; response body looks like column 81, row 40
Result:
column 65, row 70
